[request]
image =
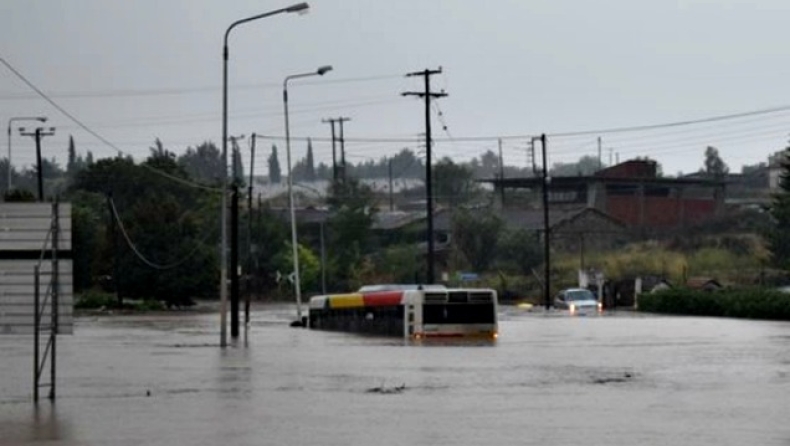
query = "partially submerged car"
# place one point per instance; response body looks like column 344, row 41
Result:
column 578, row 301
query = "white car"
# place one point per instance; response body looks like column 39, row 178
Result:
column 578, row 301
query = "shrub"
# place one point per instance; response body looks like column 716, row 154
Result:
column 752, row 303
column 95, row 299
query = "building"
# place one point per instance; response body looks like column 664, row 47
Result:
column 632, row 193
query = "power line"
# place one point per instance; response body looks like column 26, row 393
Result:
column 96, row 135
column 180, row 91
column 141, row 256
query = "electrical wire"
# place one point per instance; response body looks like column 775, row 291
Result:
column 184, row 90
column 98, row 136
column 141, row 256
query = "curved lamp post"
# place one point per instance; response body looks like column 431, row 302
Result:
column 10, row 122
column 297, row 288
column 223, row 285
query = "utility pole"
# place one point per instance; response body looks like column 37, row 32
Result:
column 600, row 163
column 428, row 95
column 234, row 241
column 37, row 135
column 389, row 174
column 248, row 274
column 532, row 150
column 234, row 261
column 114, row 236
column 546, row 229
column 331, row 122
column 501, row 173
column 340, row 121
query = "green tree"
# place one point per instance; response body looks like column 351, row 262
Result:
column 275, row 173
column 238, row 166
column 586, row 165
column 453, row 183
column 520, row 250
column 309, row 268
column 89, row 222
column 779, row 235
column 203, row 163
column 715, row 167
column 351, row 204
column 475, row 234
column 268, row 233
column 310, row 172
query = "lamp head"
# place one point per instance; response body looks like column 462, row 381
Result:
column 42, row 118
column 301, row 8
column 323, row 70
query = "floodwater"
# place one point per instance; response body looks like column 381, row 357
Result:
column 621, row 379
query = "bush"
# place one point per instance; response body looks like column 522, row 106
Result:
column 148, row 305
column 94, row 299
column 753, row 303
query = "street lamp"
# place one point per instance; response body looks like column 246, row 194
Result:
column 223, row 288
column 297, row 289
column 10, row 122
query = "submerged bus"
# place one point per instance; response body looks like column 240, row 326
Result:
column 413, row 313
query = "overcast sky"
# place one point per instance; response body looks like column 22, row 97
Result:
column 137, row 70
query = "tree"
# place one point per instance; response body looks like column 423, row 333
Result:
column 476, row 234
column 715, row 167
column 779, row 235
column 75, row 161
column 520, row 250
column 275, row 174
column 453, row 183
column 310, row 170
column 238, row 167
column 203, row 163
column 586, row 165
column 350, row 227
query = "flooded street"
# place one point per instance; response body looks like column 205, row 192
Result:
column 551, row 380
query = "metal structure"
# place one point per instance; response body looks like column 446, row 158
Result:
column 223, row 285
column 36, row 291
column 295, row 248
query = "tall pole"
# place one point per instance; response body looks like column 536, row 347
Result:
column 340, row 121
column 600, row 163
column 37, row 135
column 234, row 261
column 501, row 172
column 294, row 246
column 427, row 95
column 291, row 211
column 331, row 122
column 323, row 260
column 546, row 229
column 38, row 164
column 223, row 286
column 10, row 123
column 249, row 236
column 389, row 174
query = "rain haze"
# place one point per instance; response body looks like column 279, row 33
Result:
column 137, row 71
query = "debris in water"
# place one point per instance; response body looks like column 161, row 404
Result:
column 387, row 390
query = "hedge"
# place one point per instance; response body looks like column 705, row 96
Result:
column 745, row 303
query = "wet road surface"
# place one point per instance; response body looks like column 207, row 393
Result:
column 621, row 379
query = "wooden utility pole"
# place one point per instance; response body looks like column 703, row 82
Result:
column 546, row 229
column 331, row 123
column 248, row 273
column 37, row 135
column 428, row 95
